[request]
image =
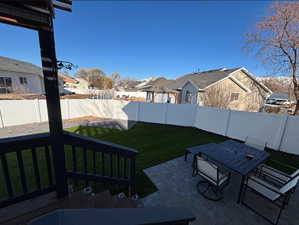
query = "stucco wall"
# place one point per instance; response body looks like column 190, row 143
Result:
column 34, row 82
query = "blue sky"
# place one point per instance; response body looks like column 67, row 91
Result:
column 142, row 39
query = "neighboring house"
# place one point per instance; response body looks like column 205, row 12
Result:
column 82, row 84
column 157, row 91
column 68, row 82
column 224, row 88
column 20, row 77
column 77, row 85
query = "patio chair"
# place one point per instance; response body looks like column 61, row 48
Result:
column 213, row 182
column 278, row 195
column 276, row 176
column 273, row 174
column 255, row 143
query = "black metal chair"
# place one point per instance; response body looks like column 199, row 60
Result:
column 213, row 182
column 276, row 176
column 269, row 188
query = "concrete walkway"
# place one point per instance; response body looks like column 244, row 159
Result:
column 177, row 188
column 32, row 128
column 35, row 128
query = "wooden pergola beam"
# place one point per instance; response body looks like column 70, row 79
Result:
column 62, row 7
column 69, row 2
column 31, row 16
column 38, row 15
column 49, row 64
column 35, row 15
column 15, row 22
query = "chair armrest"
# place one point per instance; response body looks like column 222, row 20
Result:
column 278, row 172
column 282, row 164
column 269, row 188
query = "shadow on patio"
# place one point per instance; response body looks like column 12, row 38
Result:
column 177, row 188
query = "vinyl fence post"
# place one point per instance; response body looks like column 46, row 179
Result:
column 195, row 116
column 1, row 120
column 227, row 122
column 37, row 107
column 138, row 111
column 166, row 112
column 68, row 108
column 281, row 132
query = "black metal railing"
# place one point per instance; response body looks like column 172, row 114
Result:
column 93, row 160
column 27, row 165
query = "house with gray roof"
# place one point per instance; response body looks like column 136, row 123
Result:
column 223, row 88
column 21, row 77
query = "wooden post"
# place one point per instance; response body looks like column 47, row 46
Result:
column 49, row 64
column 153, row 96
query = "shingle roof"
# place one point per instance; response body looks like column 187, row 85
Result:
column 202, row 79
column 67, row 79
column 160, row 89
column 8, row 64
column 159, row 82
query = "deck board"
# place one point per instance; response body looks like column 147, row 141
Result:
column 23, row 212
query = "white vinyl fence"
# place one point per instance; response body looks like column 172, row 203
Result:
column 279, row 131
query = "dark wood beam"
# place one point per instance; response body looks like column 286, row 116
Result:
column 62, row 7
column 69, row 2
column 15, row 22
column 33, row 17
column 49, row 64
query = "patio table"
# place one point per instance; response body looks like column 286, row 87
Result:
column 197, row 149
column 233, row 156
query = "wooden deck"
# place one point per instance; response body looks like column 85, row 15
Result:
column 22, row 213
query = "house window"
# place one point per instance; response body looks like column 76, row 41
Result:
column 234, row 96
column 5, row 85
column 23, row 80
column 188, row 97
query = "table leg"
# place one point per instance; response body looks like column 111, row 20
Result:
column 186, row 154
column 241, row 189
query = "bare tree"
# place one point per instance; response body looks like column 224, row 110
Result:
column 95, row 77
column 216, row 96
column 276, row 40
column 115, row 76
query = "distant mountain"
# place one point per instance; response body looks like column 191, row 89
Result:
column 285, row 80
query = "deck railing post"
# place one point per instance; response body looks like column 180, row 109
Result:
column 132, row 187
column 49, row 64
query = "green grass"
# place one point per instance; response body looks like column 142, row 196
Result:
column 287, row 163
column 155, row 144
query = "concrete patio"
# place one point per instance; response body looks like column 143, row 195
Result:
column 177, row 188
